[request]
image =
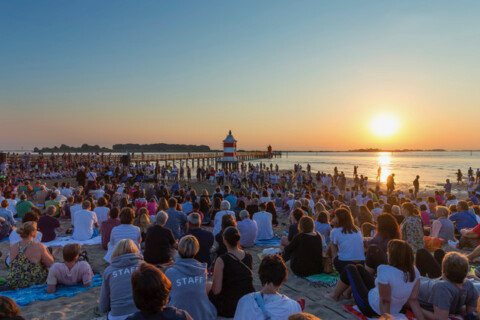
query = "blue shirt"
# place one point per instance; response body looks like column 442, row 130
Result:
column 464, row 219
column 176, row 222
column 232, row 200
column 248, row 232
column 205, row 240
column 8, row 216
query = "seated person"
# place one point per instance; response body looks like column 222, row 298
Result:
column 189, row 279
column 443, row 228
column 47, row 224
column 204, row 237
column 151, row 289
column 9, row 309
column 159, row 242
column 450, row 294
column 264, row 223
column 248, row 229
column 71, row 271
column 108, row 225
column 227, row 221
column 306, row 250
column 295, row 217
column 273, row 273
column 29, row 260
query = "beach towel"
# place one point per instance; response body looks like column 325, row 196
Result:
column 4, row 239
column 322, row 280
column 270, row 242
column 63, row 241
column 25, row 296
column 354, row 310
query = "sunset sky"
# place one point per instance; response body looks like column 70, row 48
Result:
column 299, row 75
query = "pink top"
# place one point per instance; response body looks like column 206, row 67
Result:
column 152, row 208
column 60, row 274
column 425, row 218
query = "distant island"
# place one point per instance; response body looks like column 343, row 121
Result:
column 129, row 147
column 396, row 150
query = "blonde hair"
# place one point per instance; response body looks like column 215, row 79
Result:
column 188, row 247
column 443, row 211
column 26, row 230
column 124, row 246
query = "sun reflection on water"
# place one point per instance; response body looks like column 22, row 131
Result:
column 384, row 160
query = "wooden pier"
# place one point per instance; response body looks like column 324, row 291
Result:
column 210, row 159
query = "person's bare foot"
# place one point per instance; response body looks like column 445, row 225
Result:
column 330, row 296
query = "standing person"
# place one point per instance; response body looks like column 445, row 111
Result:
column 447, row 187
column 232, row 275
column 379, row 173
column 459, row 176
column 416, row 185
column 116, row 293
column 189, row 279
column 390, row 183
column 268, row 303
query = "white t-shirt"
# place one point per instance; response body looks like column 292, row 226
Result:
column 11, row 206
column 264, row 225
column 400, row 290
column 84, row 222
column 102, row 214
column 350, row 245
column 74, row 209
column 15, row 237
column 277, row 306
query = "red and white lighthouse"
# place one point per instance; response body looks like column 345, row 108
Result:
column 230, row 148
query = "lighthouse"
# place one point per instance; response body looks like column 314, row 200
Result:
column 230, row 149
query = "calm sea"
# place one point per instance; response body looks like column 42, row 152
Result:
column 433, row 167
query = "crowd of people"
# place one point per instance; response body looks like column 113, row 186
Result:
column 175, row 253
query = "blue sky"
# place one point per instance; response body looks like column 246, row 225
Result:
column 298, row 75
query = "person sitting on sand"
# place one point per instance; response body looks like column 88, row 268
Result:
column 346, row 241
column 101, row 211
column 142, row 220
column 151, row 289
column 225, row 209
column 29, row 260
column 205, row 238
column 450, row 294
column 305, row 250
column 71, row 271
column 126, row 229
column 396, row 285
column 108, row 225
column 48, row 224
column 227, row 221
column 443, row 228
column 6, row 214
column 264, row 223
column 176, row 219
column 159, row 241
column 84, row 222
column 412, row 227
column 189, row 279
column 232, row 275
column 9, row 309
column 387, row 229
column 268, row 303
column 248, row 229
column 116, row 292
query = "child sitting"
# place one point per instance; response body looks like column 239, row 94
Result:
column 71, row 272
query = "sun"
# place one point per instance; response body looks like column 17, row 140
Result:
column 384, row 125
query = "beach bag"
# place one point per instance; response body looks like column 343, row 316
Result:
column 432, row 244
column 327, row 265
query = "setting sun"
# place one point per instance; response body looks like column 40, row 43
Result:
column 384, row 125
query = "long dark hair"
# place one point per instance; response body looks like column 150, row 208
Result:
column 345, row 221
column 400, row 256
column 387, row 227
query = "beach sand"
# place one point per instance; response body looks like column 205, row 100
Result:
column 83, row 305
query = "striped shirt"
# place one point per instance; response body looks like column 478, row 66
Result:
column 125, row 231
